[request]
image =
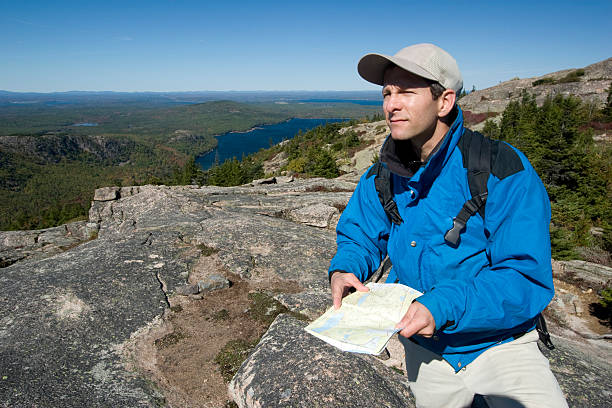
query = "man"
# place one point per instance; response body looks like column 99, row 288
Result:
column 472, row 330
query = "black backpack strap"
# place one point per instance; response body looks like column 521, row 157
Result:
column 384, row 187
column 481, row 157
column 479, row 167
column 543, row 332
column 471, row 207
column 477, row 157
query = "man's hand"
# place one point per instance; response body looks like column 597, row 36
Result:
column 341, row 283
column 417, row 320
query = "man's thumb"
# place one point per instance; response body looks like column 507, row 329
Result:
column 361, row 287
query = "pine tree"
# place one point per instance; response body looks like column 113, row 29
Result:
column 491, row 129
column 577, row 173
column 320, row 163
column 509, row 122
column 558, row 155
column 191, row 171
column 607, row 111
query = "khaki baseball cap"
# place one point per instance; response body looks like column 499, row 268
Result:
column 425, row 60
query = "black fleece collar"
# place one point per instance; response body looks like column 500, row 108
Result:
column 408, row 163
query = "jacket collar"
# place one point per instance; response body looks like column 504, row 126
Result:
column 412, row 167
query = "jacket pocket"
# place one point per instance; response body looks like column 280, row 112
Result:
column 441, row 261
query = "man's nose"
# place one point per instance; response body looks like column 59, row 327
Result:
column 391, row 103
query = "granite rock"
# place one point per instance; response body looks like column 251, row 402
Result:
column 585, row 275
column 107, row 193
column 213, row 282
column 580, row 372
column 591, row 88
column 66, row 317
column 316, row 215
column 69, row 304
column 291, row 368
column 38, row 244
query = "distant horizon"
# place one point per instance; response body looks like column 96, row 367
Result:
column 202, row 91
column 11, row 98
column 267, row 90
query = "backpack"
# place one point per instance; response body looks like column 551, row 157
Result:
column 482, row 157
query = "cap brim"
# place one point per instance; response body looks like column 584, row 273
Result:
column 372, row 67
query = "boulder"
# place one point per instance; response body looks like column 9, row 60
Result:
column 39, row 244
column 291, row 368
column 316, row 215
column 186, row 290
column 213, row 282
column 63, row 320
column 129, row 191
column 269, row 180
column 106, row 194
column 275, row 163
column 586, row 275
column 284, row 179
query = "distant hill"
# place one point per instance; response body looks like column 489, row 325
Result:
column 589, row 84
column 99, row 98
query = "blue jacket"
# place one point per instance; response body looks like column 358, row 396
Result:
column 491, row 286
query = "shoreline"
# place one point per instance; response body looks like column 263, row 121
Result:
column 245, row 131
column 261, row 126
column 258, row 126
column 205, row 156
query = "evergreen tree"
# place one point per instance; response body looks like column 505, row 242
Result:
column 509, row 122
column 191, row 171
column 559, row 151
column 491, row 129
column 320, row 163
column 376, row 117
column 227, row 174
column 607, row 111
column 577, row 174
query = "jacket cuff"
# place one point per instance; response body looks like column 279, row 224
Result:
column 438, row 309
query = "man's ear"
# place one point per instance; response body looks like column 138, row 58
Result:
column 446, row 102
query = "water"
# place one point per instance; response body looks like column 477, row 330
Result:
column 235, row 144
column 85, row 124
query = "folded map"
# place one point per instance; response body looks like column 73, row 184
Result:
column 366, row 320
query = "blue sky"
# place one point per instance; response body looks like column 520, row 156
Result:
column 177, row 45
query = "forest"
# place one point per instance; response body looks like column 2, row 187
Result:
column 558, row 138
column 53, row 157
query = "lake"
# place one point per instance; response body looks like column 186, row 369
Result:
column 84, row 124
column 236, row 144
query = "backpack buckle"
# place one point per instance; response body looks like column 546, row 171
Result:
column 453, row 235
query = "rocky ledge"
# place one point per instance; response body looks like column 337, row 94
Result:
column 70, row 315
column 590, row 84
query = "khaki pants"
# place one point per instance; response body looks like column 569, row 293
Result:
column 511, row 375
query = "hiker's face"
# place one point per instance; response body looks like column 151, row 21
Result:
column 410, row 110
